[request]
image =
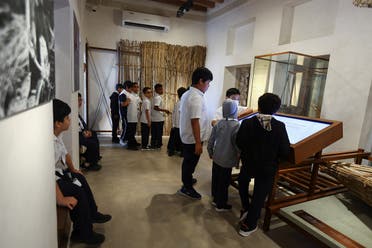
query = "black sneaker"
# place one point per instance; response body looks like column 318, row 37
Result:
column 146, row 148
column 170, row 153
column 92, row 167
column 223, row 208
column 245, row 231
column 191, row 193
column 101, row 218
column 93, row 239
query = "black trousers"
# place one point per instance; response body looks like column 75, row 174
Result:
column 131, row 134
column 92, row 144
column 145, row 132
column 115, row 125
column 157, row 133
column 221, row 178
column 190, row 160
column 83, row 213
column 174, row 142
column 262, row 187
column 124, row 125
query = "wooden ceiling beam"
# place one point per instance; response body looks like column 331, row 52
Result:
column 203, row 3
column 179, row 3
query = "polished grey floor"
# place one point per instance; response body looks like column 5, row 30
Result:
column 138, row 188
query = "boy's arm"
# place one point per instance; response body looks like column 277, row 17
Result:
column 161, row 110
column 196, row 132
column 70, row 165
column 68, row 201
column 148, row 118
column 240, row 136
column 211, row 141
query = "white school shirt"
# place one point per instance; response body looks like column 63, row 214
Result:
column 146, row 105
column 133, row 107
column 218, row 115
column 176, row 115
column 157, row 116
column 60, row 153
column 193, row 106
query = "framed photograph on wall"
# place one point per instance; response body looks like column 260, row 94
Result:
column 27, row 76
column 76, row 85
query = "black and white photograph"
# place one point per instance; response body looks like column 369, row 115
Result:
column 26, row 55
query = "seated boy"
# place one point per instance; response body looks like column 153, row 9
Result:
column 72, row 189
column 89, row 140
column 263, row 140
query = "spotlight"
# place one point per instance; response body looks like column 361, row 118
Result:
column 184, row 8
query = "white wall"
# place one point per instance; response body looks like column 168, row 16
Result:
column 347, row 40
column 27, row 184
column 103, row 31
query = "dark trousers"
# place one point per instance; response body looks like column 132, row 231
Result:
column 83, row 213
column 145, row 132
column 115, row 125
column 221, row 178
column 174, row 142
column 262, row 187
column 131, row 133
column 157, row 133
column 190, row 160
column 124, row 125
column 92, row 144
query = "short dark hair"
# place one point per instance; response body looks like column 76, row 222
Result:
column 158, row 86
column 201, row 73
column 60, row 110
column 269, row 103
column 79, row 95
column 232, row 91
column 119, row 86
column 127, row 84
column 145, row 89
column 180, row 91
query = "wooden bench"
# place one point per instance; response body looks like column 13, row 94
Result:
column 63, row 226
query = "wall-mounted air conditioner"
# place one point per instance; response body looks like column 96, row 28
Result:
column 145, row 21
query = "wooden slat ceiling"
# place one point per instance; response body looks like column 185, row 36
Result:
column 200, row 5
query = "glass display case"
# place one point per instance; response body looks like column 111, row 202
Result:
column 298, row 79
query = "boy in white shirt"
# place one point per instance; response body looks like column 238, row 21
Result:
column 233, row 94
column 72, row 189
column 146, row 118
column 157, row 118
column 132, row 115
column 194, row 128
column 174, row 142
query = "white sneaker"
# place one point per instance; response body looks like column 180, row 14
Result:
column 123, row 143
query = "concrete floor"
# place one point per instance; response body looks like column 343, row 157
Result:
column 138, row 188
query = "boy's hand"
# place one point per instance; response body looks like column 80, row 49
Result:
column 69, row 201
column 87, row 134
column 77, row 171
column 167, row 112
column 149, row 124
column 198, row 149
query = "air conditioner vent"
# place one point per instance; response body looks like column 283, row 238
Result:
column 145, row 21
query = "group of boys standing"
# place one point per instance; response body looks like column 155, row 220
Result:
column 260, row 142
column 128, row 106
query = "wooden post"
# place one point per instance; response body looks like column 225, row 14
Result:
column 314, row 174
